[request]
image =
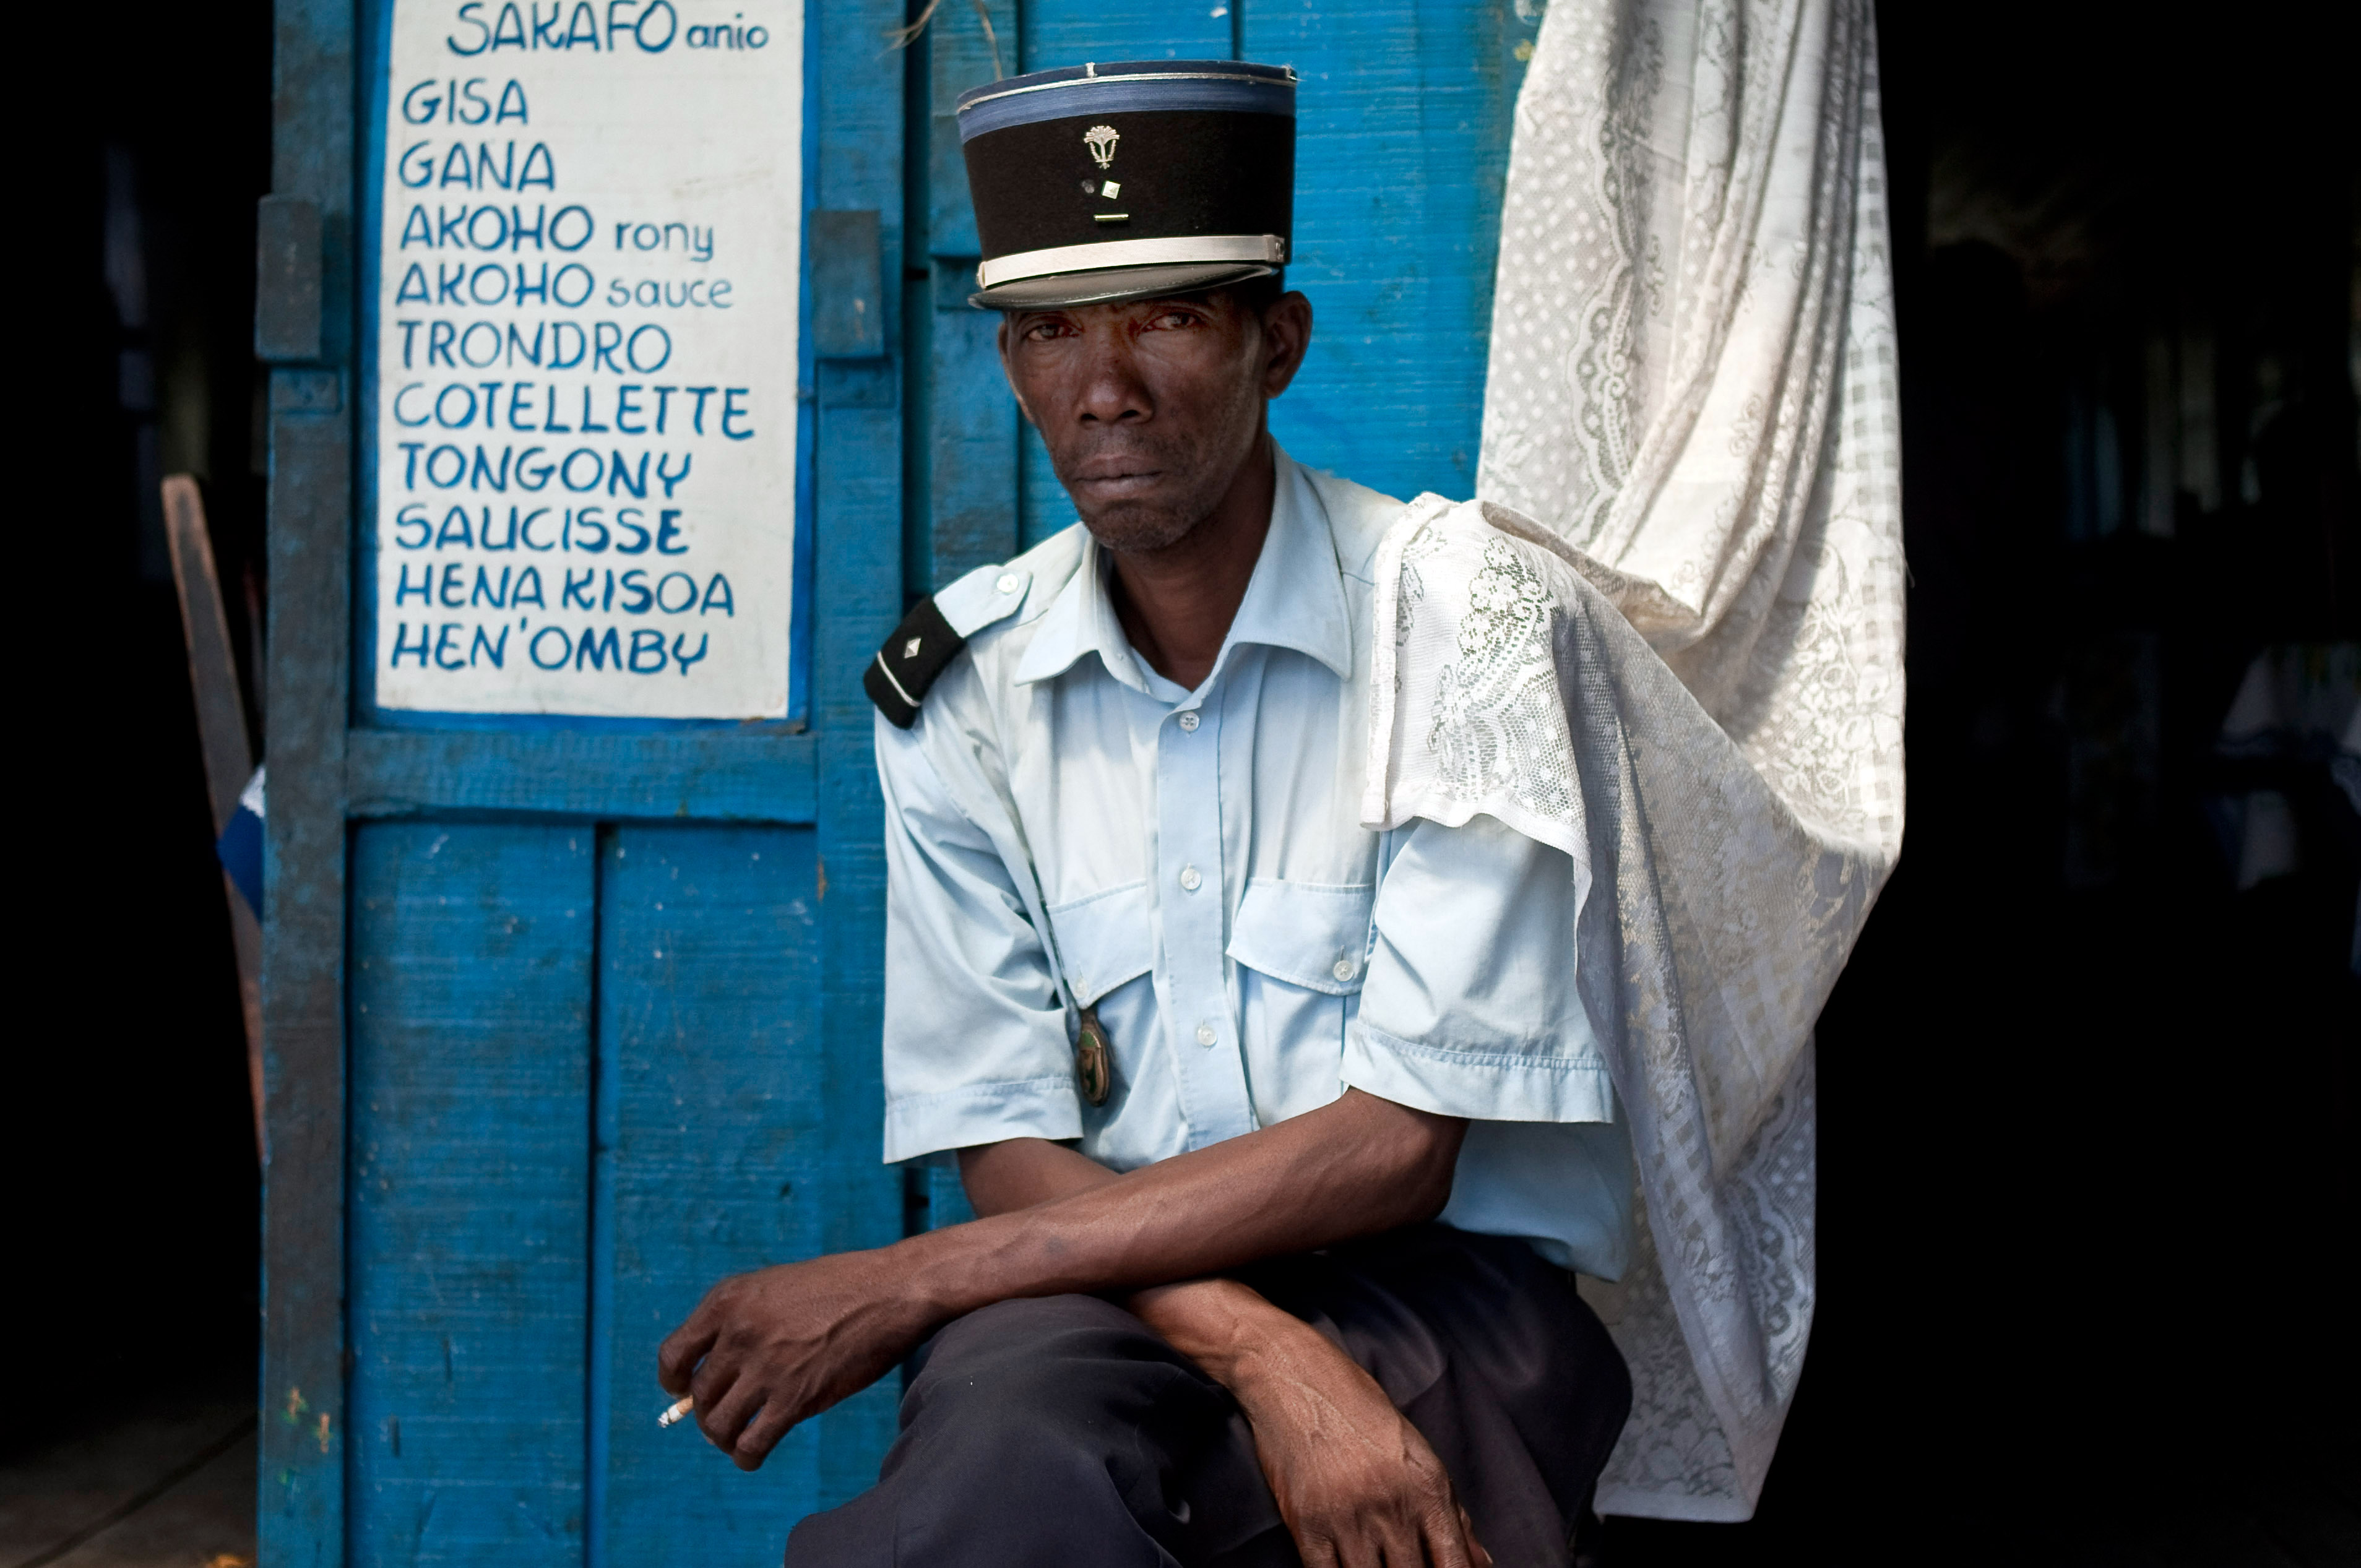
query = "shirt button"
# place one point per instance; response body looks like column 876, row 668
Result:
column 1188, row 720
column 1190, row 881
column 1009, row 583
column 1206, row 1036
column 1343, row 969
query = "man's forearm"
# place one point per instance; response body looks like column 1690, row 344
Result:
column 1355, row 1167
column 1219, row 1324
column 1019, row 1173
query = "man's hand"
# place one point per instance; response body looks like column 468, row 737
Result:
column 782, row 1345
column 1357, row 1483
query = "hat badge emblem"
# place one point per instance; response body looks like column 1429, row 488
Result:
column 1101, row 140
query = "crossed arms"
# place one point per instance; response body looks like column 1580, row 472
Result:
column 1354, row 1480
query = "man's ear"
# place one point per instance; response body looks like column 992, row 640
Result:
column 1286, row 334
column 1000, row 340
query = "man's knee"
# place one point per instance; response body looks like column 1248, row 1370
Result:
column 1028, row 1375
column 1013, row 1332
column 1051, row 1429
column 999, row 1351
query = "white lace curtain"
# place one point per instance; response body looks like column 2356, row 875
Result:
column 1668, row 640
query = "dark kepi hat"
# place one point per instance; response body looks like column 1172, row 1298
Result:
column 1123, row 181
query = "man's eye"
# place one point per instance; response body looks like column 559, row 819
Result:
column 1171, row 320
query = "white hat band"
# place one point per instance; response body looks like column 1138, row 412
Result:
column 1267, row 249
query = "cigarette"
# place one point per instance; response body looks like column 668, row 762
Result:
column 679, row 1409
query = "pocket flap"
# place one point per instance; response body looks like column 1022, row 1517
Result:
column 1305, row 933
column 1104, row 940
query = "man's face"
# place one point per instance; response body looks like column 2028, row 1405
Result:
column 1152, row 407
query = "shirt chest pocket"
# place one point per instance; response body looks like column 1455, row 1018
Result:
column 1300, row 951
column 1105, row 940
column 1311, row 935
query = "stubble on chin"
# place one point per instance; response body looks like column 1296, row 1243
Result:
column 1195, row 482
column 1144, row 528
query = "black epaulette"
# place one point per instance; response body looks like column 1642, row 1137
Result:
column 932, row 635
column 921, row 648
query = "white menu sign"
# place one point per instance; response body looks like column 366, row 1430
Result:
column 587, row 354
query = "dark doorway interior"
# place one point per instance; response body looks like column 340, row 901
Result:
column 131, row 1209
column 2088, row 1137
column 131, row 1218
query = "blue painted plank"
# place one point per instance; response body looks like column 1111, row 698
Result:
column 858, row 546
column 725, row 1145
column 300, row 1451
column 947, row 1201
column 962, row 53
column 971, row 450
column 969, row 498
column 1401, row 151
column 1069, row 32
column 470, row 1217
column 759, row 777
column 300, row 1481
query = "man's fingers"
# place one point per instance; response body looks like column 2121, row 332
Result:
column 1359, row 1544
column 712, row 1376
column 1475, row 1552
column 1447, row 1541
column 762, row 1435
column 1317, row 1551
column 724, row 1400
column 739, row 1408
column 683, row 1348
column 1395, row 1542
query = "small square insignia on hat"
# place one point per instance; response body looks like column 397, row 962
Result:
column 910, row 649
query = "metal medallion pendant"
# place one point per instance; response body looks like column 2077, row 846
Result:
column 1093, row 1062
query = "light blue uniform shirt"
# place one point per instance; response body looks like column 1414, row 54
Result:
column 1198, row 861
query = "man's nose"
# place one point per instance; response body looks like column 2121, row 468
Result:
column 1112, row 392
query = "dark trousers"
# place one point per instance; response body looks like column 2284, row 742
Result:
column 1060, row 1431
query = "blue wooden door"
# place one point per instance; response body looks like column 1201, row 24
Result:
column 564, row 1022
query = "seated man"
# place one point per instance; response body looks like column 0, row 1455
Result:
column 1286, row 1135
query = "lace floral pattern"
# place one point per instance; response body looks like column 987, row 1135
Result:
column 1496, row 725
column 1668, row 640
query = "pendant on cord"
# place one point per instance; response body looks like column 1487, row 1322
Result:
column 1093, row 1062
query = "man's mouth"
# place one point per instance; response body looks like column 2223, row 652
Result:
column 1117, row 480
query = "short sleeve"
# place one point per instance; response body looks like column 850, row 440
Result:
column 976, row 1048
column 1470, row 1006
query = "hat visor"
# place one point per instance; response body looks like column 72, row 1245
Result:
column 1112, row 285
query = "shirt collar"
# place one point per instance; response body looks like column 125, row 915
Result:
column 1295, row 598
